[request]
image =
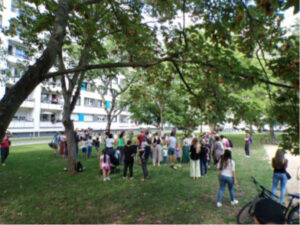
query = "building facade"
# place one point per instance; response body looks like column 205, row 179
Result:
column 41, row 112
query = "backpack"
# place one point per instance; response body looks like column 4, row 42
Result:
column 230, row 143
column 78, row 167
column 251, row 140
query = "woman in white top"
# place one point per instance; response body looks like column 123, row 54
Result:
column 226, row 176
column 109, row 142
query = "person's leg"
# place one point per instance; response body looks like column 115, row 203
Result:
column 77, row 150
column 222, row 188
column 131, row 169
column 192, row 169
column 197, row 168
column 107, row 172
column 247, row 149
column 205, row 166
column 158, row 154
column 283, row 182
column 125, row 169
column 201, row 167
column 274, row 184
column 89, row 152
column 144, row 167
column 154, row 156
column 104, row 173
column 231, row 187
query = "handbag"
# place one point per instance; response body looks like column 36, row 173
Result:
column 288, row 175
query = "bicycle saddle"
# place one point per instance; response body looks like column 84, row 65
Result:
column 297, row 195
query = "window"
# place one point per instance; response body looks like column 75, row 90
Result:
column 124, row 119
column 78, row 102
column 14, row 5
column 90, row 102
column 74, row 116
column 45, row 98
column 115, row 119
column 88, row 118
column 0, row 19
column 20, row 53
column 100, row 118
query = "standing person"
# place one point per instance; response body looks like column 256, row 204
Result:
column 129, row 154
column 90, row 146
column 105, row 165
column 208, row 146
column 97, row 144
column 247, row 145
column 5, row 143
column 173, row 131
column 227, row 176
column 225, row 142
column 109, row 145
column 195, row 159
column 165, row 152
column 185, row 150
column 84, row 144
column 156, row 150
column 279, row 164
column 55, row 142
column 141, row 138
column 178, row 153
column 130, row 135
column 218, row 150
column 121, row 144
column 172, row 148
column 62, row 144
column 203, row 158
column 145, row 155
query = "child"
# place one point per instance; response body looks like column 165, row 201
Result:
column 83, row 147
column 165, row 151
column 144, row 158
column 178, row 153
column 105, row 165
column 90, row 146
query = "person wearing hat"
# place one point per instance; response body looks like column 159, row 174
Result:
column 268, row 211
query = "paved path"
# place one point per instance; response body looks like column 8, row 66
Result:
column 29, row 142
column 293, row 185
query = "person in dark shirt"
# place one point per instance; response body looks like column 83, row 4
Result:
column 129, row 154
column 203, row 158
column 144, row 158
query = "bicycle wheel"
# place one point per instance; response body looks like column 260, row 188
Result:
column 293, row 217
column 246, row 214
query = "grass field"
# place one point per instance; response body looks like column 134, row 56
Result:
column 35, row 189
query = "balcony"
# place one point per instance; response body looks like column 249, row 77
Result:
column 48, row 124
column 28, row 103
column 51, row 104
column 17, row 124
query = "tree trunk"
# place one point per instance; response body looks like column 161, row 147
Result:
column 35, row 74
column 212, row 127
column 70, row 133
column 109, row 121
column 272, row 133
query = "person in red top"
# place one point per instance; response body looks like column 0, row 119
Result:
column 5, row 143
column 141, row 138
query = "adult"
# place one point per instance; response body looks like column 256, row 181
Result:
column 247, row 144
column 156, row 149
column 97, row 143
column 185, row 150
column 218, row 150
column 121, row 144
column 279, row 164
column 225, row 142
column 62, row 144
column 172, row 148
column 109, row 143
column 173, row 131
column 227, row 176
column 5, row 143
column 195, row 159
column 203, row 158
column 55, row 142
column 144, row 158
column 141, row 138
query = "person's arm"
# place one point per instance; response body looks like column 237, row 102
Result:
column 10, row 134
column 234, row 177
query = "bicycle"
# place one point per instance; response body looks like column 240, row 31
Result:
column 246, row 214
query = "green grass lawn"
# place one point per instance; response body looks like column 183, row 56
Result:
column 15, row 140
column 35, row 189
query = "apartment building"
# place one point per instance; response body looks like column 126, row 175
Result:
column 42, row 111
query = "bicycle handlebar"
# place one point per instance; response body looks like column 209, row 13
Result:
column 263, row 188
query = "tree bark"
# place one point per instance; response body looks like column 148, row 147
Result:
column 109, row 121
column 35, row 74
